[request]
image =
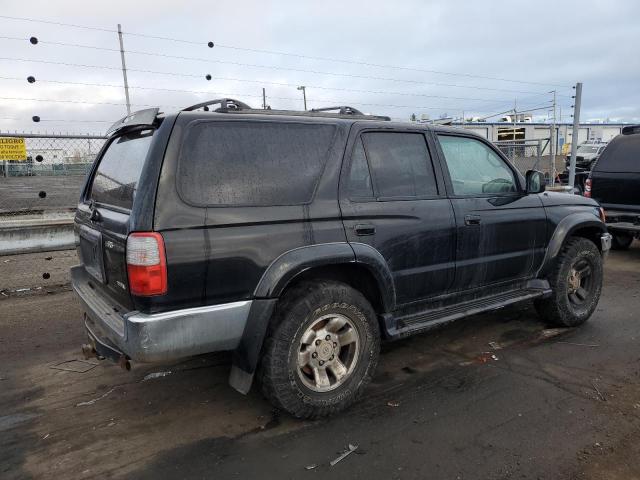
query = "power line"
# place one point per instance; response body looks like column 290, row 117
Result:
column 320, row 100
column 272, row 67
column 290, row 54
column 60, row 24
column 378, row 92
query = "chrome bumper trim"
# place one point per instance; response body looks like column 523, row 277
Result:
column 182, row 333
column 162, row 336
column 605, row 240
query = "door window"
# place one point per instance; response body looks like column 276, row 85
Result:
column 400, row 164
column 475, row 169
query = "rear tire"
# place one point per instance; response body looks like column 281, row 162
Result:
column 321, row 351
column 576, row 282
column 621, row 241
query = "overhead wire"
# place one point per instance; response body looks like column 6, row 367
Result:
column 288, row 54
column 274, row 67
column 261, row 82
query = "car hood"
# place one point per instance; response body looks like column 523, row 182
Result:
column 550, row 199
column 584, row 156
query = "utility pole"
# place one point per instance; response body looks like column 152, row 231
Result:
column 304, row 95
column 515, row 118
column 574, row 136
column 552, row 141
column 124, row 70
column 264, row 99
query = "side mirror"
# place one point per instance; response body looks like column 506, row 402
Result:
column 536, row 182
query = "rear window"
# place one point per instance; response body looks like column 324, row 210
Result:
column 622, row 155
column 116, row 180
column 252, row 163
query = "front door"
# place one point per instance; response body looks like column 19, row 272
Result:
column 500, row 229
column 392, row 198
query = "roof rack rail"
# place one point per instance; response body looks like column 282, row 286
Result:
column 226, row 104
column 230, row 105
column 342, row 110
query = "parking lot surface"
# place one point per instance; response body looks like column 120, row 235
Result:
column 495, row 396
column 40, row 193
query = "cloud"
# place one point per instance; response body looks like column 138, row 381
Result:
column 550, row 44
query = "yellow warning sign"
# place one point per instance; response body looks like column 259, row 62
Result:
column 13, row 148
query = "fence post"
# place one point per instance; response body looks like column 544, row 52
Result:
column 574, row 135
column 539, row 154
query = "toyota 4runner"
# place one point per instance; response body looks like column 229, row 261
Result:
column 300, row 240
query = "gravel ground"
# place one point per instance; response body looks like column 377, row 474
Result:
column 550, row 404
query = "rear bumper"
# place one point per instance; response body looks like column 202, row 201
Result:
column 160, row 336
column 623, row 221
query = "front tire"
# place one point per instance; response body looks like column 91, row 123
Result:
column 322, row 350
column 621, row 241
column 576, row 282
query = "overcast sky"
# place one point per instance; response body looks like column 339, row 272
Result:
column 551, row 44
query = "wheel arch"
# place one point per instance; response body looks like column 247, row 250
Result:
column 358, row 265
column 365, row 271
column 583, row 224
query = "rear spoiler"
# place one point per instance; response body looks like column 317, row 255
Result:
column 140, row 118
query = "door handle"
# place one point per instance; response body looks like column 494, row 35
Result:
column 365, row 229
column 472, row 219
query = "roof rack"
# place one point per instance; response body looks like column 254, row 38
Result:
column 342, row 110
column 226, row 104
column 230, row 105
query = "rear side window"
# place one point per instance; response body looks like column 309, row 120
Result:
column 400, row 164
column 622, row 155
column 252, row 163
column 116, row 179
column 359, row 176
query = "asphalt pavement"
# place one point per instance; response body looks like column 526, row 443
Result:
column 495, row 396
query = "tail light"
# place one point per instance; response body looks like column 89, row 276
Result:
column 146, row 264
column 587, row 187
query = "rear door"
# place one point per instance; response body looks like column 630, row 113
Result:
column 392, row 198
column 103, row 215
column 500, row 229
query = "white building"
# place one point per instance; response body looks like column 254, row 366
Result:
column 533, row 131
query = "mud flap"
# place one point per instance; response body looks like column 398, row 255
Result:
column 247, row 355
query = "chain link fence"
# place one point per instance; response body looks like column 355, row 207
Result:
column 527, row 155
column 46, row 172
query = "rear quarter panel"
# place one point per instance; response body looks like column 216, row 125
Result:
column 218, row 254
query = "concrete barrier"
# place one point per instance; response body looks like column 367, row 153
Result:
column 41, row 231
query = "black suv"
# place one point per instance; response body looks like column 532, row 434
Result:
column 299, row 240
column 615, row 183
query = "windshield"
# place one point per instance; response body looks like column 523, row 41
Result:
column 116, row 179
column 587, row 149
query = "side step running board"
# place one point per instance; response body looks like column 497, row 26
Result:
column 423, row 321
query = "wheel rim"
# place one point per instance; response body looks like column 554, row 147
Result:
column 580, row 282
column 328, row 352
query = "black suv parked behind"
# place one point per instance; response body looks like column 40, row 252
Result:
column 615, row 183
column 299, row 240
